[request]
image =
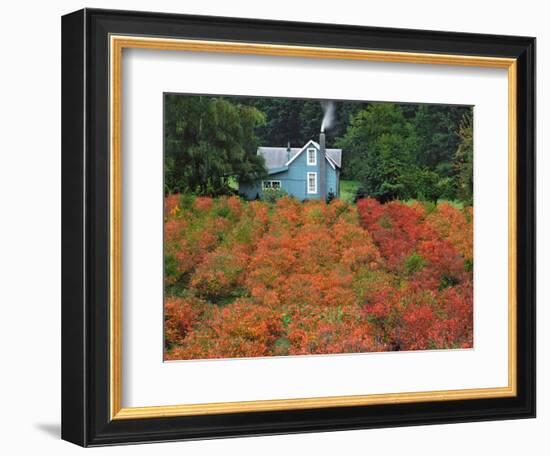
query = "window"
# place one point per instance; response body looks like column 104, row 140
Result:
column 312, row 182
column 271, row 185
column 312, row 157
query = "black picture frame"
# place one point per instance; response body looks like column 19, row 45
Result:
column 85, row 228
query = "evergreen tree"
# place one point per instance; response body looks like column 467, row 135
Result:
column 379, row 148
column 436, row 127
column 464, row 160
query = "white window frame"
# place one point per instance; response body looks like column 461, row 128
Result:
column 309, row 192
column 314, row 161
column 270, row 186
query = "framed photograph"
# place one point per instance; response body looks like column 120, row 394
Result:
column 278, row 227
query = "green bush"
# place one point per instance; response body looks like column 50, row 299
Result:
column 186, row 201
column 414, row 263
column 271, row 195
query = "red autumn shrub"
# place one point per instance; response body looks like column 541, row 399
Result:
column 317, row 290
column 419, row 319
column 171, row 206
column 395, row 227
column 240, row 329
column 219, row 273
column 180, row 314
column 203, row 204
column 455, row 225
column 261, row 279
column 457, row 329
column 444, row 265
column 328, row 330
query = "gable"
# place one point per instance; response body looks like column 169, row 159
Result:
column 278, row 158
column 333, row 156
column 308, row 145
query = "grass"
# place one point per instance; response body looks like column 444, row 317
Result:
column 348, row 189
column 455, row 203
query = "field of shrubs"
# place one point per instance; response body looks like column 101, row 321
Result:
column 246, row 279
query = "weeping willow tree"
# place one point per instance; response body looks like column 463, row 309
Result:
column 208, row 142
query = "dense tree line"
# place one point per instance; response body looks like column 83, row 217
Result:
column 297, row 121
column 395, row 151
column 402, row 152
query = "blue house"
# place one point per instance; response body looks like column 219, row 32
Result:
column 309, row 172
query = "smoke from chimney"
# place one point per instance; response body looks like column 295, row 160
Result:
column 329, row 115
column 322, row 167
column 328, row 120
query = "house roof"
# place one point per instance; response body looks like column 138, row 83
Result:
column 277, row 157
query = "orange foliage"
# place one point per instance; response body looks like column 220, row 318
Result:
column 180, row 315
column 240, row 329
column 248, row 279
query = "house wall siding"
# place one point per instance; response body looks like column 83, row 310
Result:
column 332, row 183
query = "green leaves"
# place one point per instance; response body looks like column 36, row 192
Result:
column 410, row 151
column 414, row 263
column 209, row 140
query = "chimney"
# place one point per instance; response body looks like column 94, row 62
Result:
column 322, row 168
column 288, row 151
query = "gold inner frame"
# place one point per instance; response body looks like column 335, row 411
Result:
column 117, row 44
